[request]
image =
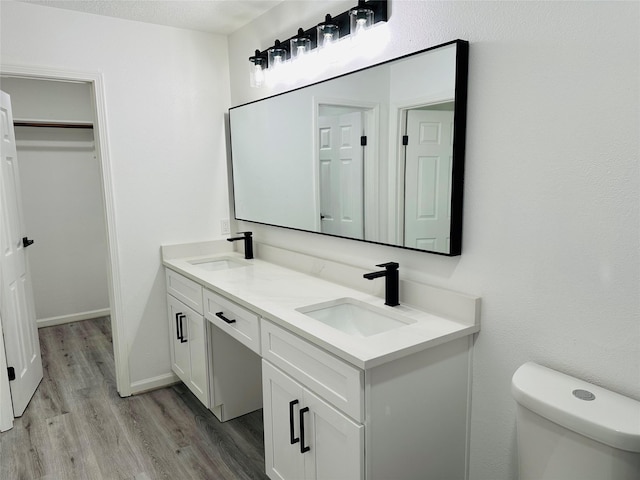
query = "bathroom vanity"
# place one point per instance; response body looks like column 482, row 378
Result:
column 350, row 388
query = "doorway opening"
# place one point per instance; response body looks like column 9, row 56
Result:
column 86, row 149
column 62, row 200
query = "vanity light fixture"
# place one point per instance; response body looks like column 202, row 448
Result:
column 330, row 33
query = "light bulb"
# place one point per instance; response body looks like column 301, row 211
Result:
column 328, row 39
column 258, row 76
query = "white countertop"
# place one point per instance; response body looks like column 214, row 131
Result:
column 275, row 292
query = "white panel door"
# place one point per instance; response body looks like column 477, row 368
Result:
column 282, row 398
column 335, row 442
column 18, row 311
column 341, row 174
column 428, row 158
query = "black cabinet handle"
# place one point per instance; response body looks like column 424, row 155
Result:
column 221, row 315
column 178, row 326
column 291, row 433
column 303, row 448
column 26, row 242
column 182, row 339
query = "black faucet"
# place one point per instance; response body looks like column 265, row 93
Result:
column 391, row 285
column 248, row 244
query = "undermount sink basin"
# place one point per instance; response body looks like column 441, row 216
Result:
column 223, row 263
column 354, row 317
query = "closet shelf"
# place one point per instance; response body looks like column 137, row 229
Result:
column 51, row 124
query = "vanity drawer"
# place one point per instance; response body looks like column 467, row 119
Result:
column 336, row 381
column 185, row 290
column 245, row 324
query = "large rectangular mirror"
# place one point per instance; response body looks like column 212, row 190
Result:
column 375, row 155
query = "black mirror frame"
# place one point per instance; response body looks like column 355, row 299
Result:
column 458, row 155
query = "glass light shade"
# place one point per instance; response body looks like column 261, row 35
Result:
column 328, row 33
column 300, row 45
column 361, row 19
column 277, row 55
column 256, row 74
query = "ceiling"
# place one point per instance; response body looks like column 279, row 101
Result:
column 214, row 16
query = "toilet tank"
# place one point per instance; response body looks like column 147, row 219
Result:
column 569, row 429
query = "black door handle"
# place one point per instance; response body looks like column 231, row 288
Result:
column 26, row 242
column 291, row 434
column 303, row 447
column 221, row 315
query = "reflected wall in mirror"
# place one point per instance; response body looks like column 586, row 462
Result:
column 375, row 155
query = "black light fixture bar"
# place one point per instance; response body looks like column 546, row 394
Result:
column 380, row 14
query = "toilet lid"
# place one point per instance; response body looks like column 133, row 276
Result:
column 582, row 407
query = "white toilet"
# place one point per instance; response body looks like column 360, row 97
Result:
column 569, row 429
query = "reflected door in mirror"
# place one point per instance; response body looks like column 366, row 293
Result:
column 427, row 216
column 341, row 174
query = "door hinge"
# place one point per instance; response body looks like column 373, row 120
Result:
column 363, row 140
column 12, row 373
column 405, row 140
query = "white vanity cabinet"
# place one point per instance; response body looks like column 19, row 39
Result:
column 305, row 436
column 409, row 415
column 336, row 406
column 215, row 346
column 189, row 359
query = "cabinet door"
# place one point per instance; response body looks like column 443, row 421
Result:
column 196, row 336
column 282, row 399
column 336, row 443
column 180, row 361
column 333, row 444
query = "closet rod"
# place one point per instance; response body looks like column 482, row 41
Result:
column 52, row 125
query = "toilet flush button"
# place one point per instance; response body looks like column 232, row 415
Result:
column 584, row 395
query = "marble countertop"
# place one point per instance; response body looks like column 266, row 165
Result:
column 275, row 292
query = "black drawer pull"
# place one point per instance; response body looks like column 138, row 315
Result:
column 291, row 433
column 220, row 315
column 303, row 448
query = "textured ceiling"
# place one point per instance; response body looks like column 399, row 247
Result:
column 214, row 16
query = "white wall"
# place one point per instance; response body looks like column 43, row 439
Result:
column 166, row 92
column 551, row 210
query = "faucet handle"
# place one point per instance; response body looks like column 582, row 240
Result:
column 246, row 234
column 389, row 265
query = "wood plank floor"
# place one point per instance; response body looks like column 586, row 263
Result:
column 78, row 427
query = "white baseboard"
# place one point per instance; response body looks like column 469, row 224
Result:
column 73, row 317
column 154, row 383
